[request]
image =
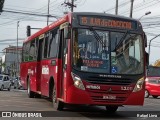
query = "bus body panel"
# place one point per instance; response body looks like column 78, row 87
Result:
column 29, row 72
column 24, row 74
column 49, row 71
column 98, row 97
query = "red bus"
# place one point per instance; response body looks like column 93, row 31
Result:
column 86, row 58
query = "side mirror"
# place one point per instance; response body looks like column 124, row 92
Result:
column 147, row 58
column 28, row 31
column 145, row 40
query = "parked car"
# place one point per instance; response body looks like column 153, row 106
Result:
column 17, row 83
column 153, row 82
column 12, row 81
column 5, row 82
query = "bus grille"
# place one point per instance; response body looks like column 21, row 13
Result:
column 107, row 81
column 106, row 92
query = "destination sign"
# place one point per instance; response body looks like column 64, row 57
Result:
column 106, row 22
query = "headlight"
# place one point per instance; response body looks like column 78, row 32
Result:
column 139, row 85
column 77, row 81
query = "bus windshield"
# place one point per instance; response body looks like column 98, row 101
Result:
column 107, row 52
column 153, row 71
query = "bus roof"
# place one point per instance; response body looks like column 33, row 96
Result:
column 47, row 28
column 67, row 17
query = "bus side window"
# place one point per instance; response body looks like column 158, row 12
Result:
column 23, row 52
column 32, row 51
column 53, row 43
column 26, row 52
column 45, row 45
column 40, row 49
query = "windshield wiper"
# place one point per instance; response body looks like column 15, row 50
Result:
column 98, row 38
column 121, row 40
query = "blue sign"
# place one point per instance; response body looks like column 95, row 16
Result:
column 114, row 69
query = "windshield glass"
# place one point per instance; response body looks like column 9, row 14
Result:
column 153, row 71
column 106, row 52
column 126, row 53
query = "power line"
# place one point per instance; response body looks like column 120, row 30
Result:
column 135, row 7
column 12, row 39
column 25, row 13
column 69, row 4
column 18, row 19
column 120, row 5
column 81, row 3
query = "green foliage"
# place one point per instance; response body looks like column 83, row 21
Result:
column 2, row 65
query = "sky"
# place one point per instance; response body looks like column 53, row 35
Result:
column 9, row 21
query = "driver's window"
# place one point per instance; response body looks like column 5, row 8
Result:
column 137, row 47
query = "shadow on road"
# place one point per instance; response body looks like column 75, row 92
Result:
column 92, row 112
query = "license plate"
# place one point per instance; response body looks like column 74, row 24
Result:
column 109, row 97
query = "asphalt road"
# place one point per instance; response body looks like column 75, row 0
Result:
column 17, row 101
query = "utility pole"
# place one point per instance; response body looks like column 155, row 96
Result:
column 116, row 10
column 1, row 5
column 131, row 9
column 71, row 5
column 17, row 49
column 48, row 12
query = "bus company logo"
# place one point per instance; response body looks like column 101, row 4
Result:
column 93, row 87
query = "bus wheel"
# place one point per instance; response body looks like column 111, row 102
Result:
column 154, row 96
column 30, row 93
column 58, row 105
column 146, row 94
column 111, row 109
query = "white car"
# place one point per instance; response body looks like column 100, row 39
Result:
column 5, row 82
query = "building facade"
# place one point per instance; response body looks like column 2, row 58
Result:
column 10, row 60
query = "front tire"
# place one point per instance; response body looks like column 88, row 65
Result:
column 111, row 109
column 146, row 94
column 30, row 93
column 58, row 105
